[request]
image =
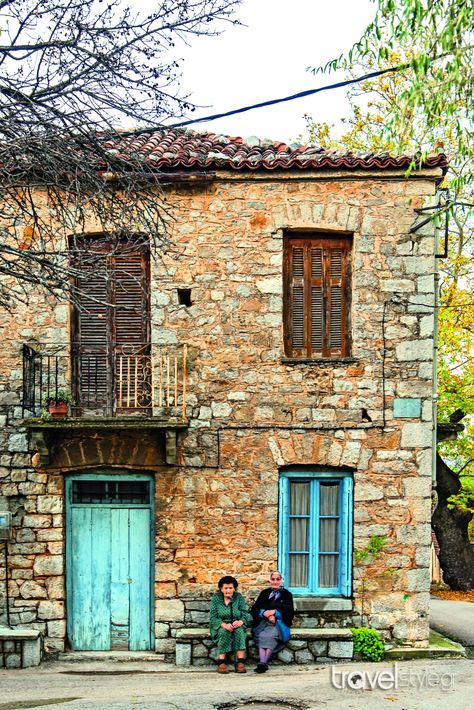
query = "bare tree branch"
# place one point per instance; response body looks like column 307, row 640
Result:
column 71, row 74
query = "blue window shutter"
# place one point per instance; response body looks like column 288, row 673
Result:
column 313, row 575
column 283, row 533
column 346, row 536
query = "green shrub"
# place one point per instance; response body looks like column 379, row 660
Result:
column 367, row 642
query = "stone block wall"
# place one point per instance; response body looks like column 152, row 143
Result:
column 202, row 652
column 249, row 411
column 10, row 654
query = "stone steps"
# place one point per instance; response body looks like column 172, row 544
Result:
column 114, row 656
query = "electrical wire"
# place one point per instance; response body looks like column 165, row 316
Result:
column 271, row 102
column 429, row 305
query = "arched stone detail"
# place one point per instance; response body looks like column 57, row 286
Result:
column 138, row 449
column 324, row 449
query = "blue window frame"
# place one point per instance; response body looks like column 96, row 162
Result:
column 315, row 532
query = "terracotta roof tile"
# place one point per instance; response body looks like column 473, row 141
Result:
column 180, row 148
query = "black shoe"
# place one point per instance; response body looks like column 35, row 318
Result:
column 261, row 668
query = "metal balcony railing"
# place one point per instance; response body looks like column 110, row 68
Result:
column 140, row 379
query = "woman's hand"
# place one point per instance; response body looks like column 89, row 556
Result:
column 270, row 612
column 237, row 624
column 272, row 619
column 227, row 627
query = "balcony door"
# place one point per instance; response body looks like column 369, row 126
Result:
column 110, row 328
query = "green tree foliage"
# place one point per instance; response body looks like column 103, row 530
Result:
column 426, row 105
column 436, row 42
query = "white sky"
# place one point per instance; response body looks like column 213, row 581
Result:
column 267, row 59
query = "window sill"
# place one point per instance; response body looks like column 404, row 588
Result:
column 319, row 361
column 322, row 604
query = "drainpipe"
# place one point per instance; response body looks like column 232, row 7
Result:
column 435, row 361
column 7, row 596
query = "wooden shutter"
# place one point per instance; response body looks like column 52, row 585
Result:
column 316, row 301
column 336, row 301
column 130, row 328
column 130, row 297
column 111, row 318
column 297, row 298
column 91, row 336
column 346, row 535
column 317, row 293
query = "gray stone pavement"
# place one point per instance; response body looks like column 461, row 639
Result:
column 453, row 619
column 152, row 686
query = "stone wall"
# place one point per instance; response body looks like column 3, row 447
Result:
column 250, row 412
column 303, row 648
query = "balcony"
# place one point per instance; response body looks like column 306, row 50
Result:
column 139, row 382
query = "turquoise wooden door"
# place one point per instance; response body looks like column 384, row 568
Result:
column 109, row 562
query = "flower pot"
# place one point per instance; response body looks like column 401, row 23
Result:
column 58, row 410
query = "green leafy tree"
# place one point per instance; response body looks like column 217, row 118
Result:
column 425, row 105
column 434, row 41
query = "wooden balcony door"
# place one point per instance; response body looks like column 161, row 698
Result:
column 111, row 318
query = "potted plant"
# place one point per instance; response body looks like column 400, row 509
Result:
column 56, row 402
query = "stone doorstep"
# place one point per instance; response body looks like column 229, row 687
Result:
column 296, row 634
column 113, row 656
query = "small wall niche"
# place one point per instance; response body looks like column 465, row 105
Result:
column 184, row 297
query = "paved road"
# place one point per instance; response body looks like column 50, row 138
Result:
column 149, row 686
column 453, row 619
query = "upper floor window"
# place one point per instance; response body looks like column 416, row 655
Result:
column 317, row 296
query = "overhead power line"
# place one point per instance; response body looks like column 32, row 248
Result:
column 271, row 102
column 292, row 97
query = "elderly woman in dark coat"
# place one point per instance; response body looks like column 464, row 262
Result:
column 272, row 615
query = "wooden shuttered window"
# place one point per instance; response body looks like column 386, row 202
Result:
column 317, row 296
column 111, row 317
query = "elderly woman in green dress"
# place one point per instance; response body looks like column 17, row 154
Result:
column 228, row 619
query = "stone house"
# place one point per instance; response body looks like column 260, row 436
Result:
column 258, row 397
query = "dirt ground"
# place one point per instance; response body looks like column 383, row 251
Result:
column 454, row 596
